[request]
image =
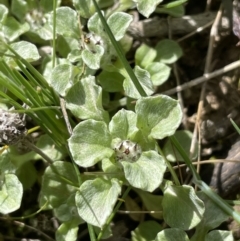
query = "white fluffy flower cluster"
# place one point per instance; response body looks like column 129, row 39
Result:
column 127, row 151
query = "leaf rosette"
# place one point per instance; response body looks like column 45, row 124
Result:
column 94, row 141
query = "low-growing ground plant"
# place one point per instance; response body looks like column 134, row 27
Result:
column 95, row 121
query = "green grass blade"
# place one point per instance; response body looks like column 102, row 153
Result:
column 218, row 200
column 54, row 34
column 203, row 186
column 9, row 100
column 120, row 53
column 15, row 90
column 45, row 118
column 185, row 157
column 235, row 126
column 91, row 232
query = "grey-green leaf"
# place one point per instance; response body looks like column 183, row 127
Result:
column 145, row 55
column 177, row 11
column 111, row 81
column 217, row 235
column 118, row 23
column 67, row 231
column 67, row 211
column 208, row 222
column 146, row 7
column 66, row 22
column 90, row 143
column 95, row 200
column 3, row 13
column 123, row 125
column 168, row 51
column 172, row 234
column 26, row 50
column 20, row 8
column 85, row 8
column 62, row 78
column 212, row 210
column 181, row 207
column 159, row 72
column 84, row 99
column 12, row 29
column 174, row 3
column 8, row 164
column 93, row 58
column 48, row 147
column 144, row 79
column 58, row 183
column 158, row 116
column 10, row 194
column 147, row 172
column 95, row 24
column 146, row 231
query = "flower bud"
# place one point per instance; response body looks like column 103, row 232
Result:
column 127, row 151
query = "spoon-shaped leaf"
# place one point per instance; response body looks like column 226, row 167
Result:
column 90, row 143
column 95, row 200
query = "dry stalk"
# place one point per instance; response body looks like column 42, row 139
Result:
column 203, row 78
column 213, row 35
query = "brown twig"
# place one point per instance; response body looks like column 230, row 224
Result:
column 65, row 115
column 213, row 34
column 179, row 94
column 176, row 74
column 38, row 151
column 208, row 5
column 21, row 224
column 198, row 30
column 203, row 78
column 216, row 161
column 132, row 212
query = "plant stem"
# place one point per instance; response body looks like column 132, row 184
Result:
column 65, row 115
column 30, row 215
column 38, row 151
column 170, row 168
column 69, row 127
column 91, row 232
column 23, row 225
column 54, row 34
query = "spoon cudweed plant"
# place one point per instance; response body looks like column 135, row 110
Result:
column 100, row 122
